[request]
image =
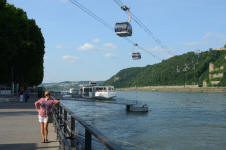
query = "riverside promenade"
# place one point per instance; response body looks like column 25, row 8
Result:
column 19, row 127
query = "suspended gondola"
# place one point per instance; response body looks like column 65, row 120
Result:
column 136, row 55
column 124, row 29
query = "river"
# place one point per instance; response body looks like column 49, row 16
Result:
column 176, row 121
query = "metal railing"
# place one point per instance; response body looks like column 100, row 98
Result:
column 64, row 121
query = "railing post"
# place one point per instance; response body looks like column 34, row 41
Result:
column 60, row 122
column 56, row 116
column 88, row 142
column 60, row 114
column 65, row 126
column 65, row 122
column 72, row 131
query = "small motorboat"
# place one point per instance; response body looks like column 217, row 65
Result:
column 137, row 108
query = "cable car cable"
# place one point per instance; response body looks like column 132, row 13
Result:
column 146, row 29
column 142, row 25
column 90, row 13
column 130, row 41
column 118, row 2
column 100, row 20
column 150, row 33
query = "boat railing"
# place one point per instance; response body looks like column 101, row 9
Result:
column 67, row 133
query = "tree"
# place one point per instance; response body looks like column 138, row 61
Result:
column 2, row 3
column 21, row 47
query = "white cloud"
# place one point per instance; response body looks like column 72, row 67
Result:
column 96, row 40
column 207, row 39
column 157, row 48
column 64, row 1
column 109, row 55
column 193, row 43
column 161, row 52
column 59, row 47
column 86, row 46
column 110, row 45
column 211, row 35
column 69, row 58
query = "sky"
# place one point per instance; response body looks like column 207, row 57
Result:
column 77, row 47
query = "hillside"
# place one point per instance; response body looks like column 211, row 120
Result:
column 190, row 69
column 66, row 85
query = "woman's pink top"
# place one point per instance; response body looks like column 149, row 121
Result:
column 46, row 105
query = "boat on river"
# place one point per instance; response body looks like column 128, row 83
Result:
column 96, row 91
column 137, row 108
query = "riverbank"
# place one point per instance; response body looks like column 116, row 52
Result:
column 187, row 88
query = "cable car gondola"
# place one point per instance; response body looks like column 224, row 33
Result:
column 136, row 55
column 124, row 29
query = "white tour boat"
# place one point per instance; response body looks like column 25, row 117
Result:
column 98, row 92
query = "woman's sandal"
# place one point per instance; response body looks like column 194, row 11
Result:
column 43, row 141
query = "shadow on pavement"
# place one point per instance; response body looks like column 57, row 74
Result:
column 18, row 113
column 24, row 146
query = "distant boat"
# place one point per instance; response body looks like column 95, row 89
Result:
column 98, row 92
column 67, row 96
column 137, row 108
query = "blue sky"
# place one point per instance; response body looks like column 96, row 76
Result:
column 77, row 47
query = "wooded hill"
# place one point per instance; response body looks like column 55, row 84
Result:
column 190, row 69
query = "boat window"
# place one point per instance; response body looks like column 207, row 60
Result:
column 88, row 90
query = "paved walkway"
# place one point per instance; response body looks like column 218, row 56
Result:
column 20, row 129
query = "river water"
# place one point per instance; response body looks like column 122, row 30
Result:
column 176, row 121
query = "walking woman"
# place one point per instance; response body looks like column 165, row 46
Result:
column 44, row 107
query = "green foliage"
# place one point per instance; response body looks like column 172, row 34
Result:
column 21, row 46
column 189, row 68
column 2, row 3
column 121, row 78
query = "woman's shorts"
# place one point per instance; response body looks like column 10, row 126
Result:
column 42, row 119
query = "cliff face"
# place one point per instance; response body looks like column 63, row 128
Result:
column 189, row 69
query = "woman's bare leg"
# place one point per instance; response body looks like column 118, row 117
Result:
column 42, row 131
column 46, row 131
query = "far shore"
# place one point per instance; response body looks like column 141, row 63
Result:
column 187, row 88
